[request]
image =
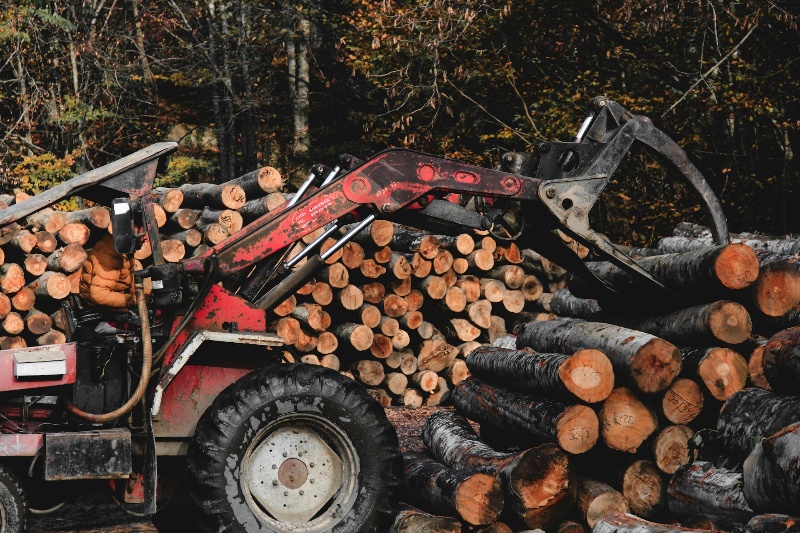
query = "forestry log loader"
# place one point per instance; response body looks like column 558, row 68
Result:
column 191, row 389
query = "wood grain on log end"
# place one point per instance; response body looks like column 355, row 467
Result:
column 545, row 484
column 577, row 429
column 479, row 499
column 597, row 500
column 671, row 448
column 588, row 374
column 736, row 266
column 683, row 401
column 730, row 322
column 723, row 371
column 645, row 488
column 625, row 422
column 656, row 365
column 755, row 369
column 777, row 289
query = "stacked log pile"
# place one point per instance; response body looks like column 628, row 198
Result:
column 699, row 415
column 671, row 408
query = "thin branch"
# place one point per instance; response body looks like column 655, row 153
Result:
column 514, row 130
column 709, row 71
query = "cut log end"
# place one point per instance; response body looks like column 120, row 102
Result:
column 656, row 365
column 644, row 488
column 736, row 266
column 671, row 448
column 577, row 429
column 723, row 371
column 589, row 375
column 683, row 401
column 777, row 289
column 479, row 499
column 625, row 421
column 730, row 322
column 552, row 490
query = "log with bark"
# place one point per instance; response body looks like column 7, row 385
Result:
column 772, row 473
column 683, row 401
column 564, row 303
column 749, row 416
column 702, row 489
column 774, row 523
column 539, row 483
column 410, row 520
column 597, row 499
column 780, row 361
column 573, row 427
column 587, row 374
column 476, row 499
column 647, row 361
column 199, row 195
column 699, row 275
column 702, row 325
column 628, row 523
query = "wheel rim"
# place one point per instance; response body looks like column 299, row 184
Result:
column 300, row 474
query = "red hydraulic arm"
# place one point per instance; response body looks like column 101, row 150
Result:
column 390, row 181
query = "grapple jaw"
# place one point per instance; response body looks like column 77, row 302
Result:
column 574, row 174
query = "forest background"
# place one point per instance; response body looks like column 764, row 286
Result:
column 247, row 83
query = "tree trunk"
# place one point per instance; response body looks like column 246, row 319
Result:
column 596, row 500
column 414, row 521
column 749, row 416
column 539, row 483
column 573, row 427
column 702, row 325
column 703, row 273
column 649, row 362
column 772, row 472
column 781, row 361
column 774, row 523
column 259, row 182
column 476, row 499
column 224, row 196
column 587, row 374
column 701, row 489
column 627, row 523
column 682, row 401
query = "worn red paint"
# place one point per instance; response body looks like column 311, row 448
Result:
column 9, row 383
column 20, row 445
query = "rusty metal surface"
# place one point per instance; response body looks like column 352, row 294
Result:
column 191, row 392
column 100, row 454
column 20, row 444
column 9, row 383
column 396, row 178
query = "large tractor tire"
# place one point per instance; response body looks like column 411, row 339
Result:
column 12, row 503
column 294, row 448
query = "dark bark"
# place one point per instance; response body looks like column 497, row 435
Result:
column 702, row 325
column 539, row 483
column 474, row 498
column 587, row 374
column 749, row 416
column 648, row 362
column 573, row 427
column 692, row 276
column 774, row 523
column 781, row 361
column 410, row 520
column 772, row 473
column 627, row 523
column 701, row 489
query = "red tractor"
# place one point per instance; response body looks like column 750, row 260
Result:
column 192, row 387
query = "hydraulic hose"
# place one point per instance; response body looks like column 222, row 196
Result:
column 144, row 377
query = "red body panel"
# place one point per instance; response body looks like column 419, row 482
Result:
column 9, row 383
column 20, row 445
